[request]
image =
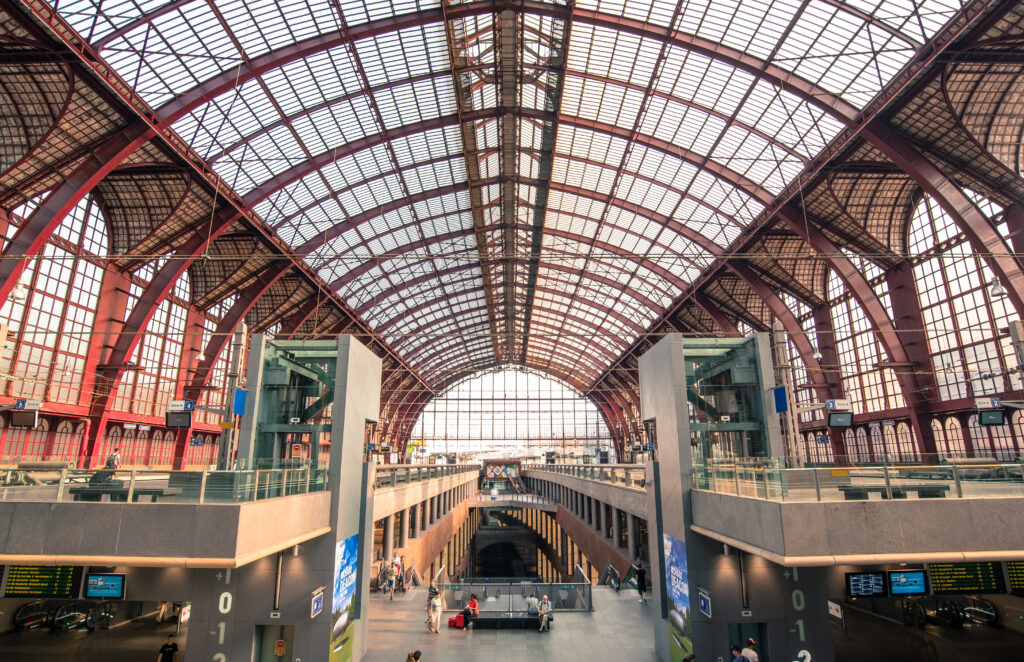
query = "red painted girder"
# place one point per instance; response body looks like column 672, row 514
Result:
column 37, row 229
column 719, row 318
column 295, row 322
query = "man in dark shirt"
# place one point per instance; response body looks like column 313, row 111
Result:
column 641, row 580
column 169, row 651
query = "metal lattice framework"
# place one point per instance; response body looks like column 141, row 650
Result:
column 551, row 184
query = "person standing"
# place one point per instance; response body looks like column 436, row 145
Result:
column 737, row 656
column 641, row 580
column 544, row 611
column 169, row 651
column 113, row 460
column 749, row 652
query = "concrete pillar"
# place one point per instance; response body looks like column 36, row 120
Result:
column 403, row 531
column 616, row 528
column 424, row 514
column 389, row 537
column 631, row 550
column 432, row 507
column 599, row 518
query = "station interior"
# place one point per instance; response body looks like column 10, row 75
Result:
column 370, row 330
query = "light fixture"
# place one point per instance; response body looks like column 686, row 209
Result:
column 817, row 354
column 20, row 292
column 201, row 357
column 996, row 291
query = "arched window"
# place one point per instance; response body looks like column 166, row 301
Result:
column 954, row 446
column 992, row 440
column 850, row 442
column 112, row 441
column 26, row 444
column 961, row 319
column 52, row 327
column 511, row 411
column 879, row 453
column 892, row 446
column 863, row 450
column 907, row 444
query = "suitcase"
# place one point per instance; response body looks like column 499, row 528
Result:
column 460, row 620
column 451, row 621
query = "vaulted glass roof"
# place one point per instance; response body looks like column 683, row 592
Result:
column 487, row 184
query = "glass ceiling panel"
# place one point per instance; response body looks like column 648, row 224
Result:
column 311, row 106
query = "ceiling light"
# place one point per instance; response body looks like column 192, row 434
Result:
column 997, row 291
column 20, row 292
column 817, row 354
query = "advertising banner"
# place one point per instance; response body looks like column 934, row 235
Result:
column 677, row 587
column 346, row 565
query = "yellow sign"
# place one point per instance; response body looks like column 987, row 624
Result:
column 840, row 472
column 279, row 647
column 227, row 425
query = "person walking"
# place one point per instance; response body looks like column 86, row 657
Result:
column 641, row 580
column 432, row 592
column 737, row 656
column 391, row 581
column 435, row 614
column 169, row 651
column 749, row 652
column 113, row 460
column 544, row 611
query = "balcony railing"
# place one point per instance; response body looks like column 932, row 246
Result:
column 158, row 485
column 626, row 475
column 390, row 475
column 860, row 483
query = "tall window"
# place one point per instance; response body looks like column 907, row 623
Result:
column 868, row 387
column 511, row 412
column 147, row 389
column 51, row 328
column 960, row 318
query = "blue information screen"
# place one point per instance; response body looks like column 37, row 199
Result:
column 907, row 582
column 99, row 586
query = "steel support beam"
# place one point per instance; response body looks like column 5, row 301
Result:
column 724, row 323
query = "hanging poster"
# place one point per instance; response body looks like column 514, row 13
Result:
column 677, row 587
column 346, row 564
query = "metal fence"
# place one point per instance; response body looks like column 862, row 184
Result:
column 510, row 597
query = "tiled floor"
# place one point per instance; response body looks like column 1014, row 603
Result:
column 619, row 629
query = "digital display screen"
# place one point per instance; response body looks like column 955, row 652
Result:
column 179, row 419
column 843, row 419
column 907, row 582
column 1015, row 570
column 99, row 586
column 42, row 581
column 985, row 577
column 991, row 417
column 866, row 585
column 24, row 419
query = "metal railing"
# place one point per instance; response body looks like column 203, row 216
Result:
column 156, row 485
column 627, row 475
column 859, row 483
column 390, row 475
column 485, row 498
column 510, row 597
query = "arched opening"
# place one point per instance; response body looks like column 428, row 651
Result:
column 511, row 412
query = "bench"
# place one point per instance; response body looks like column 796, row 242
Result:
column 862, row 492
column 508, row 620
column 117, row 493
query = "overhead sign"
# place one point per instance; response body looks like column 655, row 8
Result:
column 987, row 403
column 227, row 425
column 822, row 439
column 704, row 602
column 238, row 405
column 839, row 404
column 28, row 405
column 317, row 605
column 181, row 405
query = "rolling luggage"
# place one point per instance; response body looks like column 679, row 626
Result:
column 460, row 620
column 451, row 622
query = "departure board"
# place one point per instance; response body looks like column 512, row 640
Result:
column 42, row 581
column 966, row 577
column 1015, row 569
column 866, row 585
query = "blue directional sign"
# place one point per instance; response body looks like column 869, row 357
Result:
column 317, row 605
column 19, row 403
column 238, row 405
column 190, row 405
column 704, row 602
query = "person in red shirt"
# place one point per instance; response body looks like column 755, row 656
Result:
column 472, row 609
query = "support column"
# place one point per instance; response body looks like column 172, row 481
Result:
column 389, row 537
column 403, row 531
column 424, row 514
column 616, row 528
column 600, row 519
column 631, row 537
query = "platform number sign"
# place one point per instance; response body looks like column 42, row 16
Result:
column 317, row 605
column 704, row 602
